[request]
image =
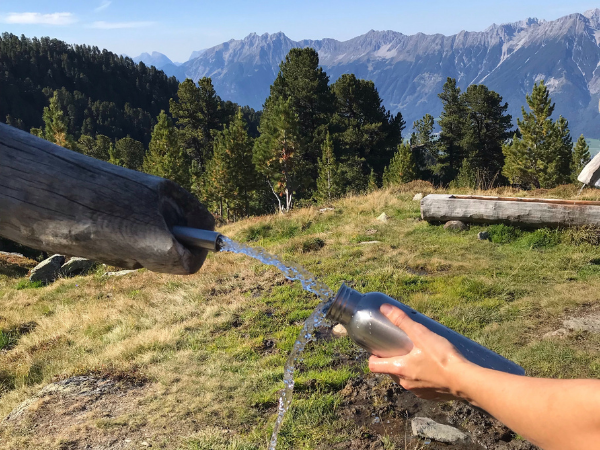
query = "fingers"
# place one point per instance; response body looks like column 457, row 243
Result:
column 393, row 366
column 402, row 321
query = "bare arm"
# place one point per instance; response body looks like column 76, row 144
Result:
column 552, row 414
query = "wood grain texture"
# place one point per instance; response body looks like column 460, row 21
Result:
column 525, row 212
column 60, row 201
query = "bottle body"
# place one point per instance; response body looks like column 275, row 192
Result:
column 370, row 329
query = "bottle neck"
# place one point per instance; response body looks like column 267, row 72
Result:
column 344, row 305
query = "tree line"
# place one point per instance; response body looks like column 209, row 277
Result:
column 313, row 140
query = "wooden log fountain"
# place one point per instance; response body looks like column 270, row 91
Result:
column 524, row 212
column 60, row 201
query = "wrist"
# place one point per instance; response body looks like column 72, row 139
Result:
column 460, row 378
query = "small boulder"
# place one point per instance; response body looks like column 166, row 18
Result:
column 483, row 236
column 455, row 225
column 48, row 270
column 418, row 197
column 429, row 429
column 561, row 332
column 339, row 330
column 76, row 266
column 383, row 217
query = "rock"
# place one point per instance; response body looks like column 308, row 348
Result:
column 383, row 217
column 455, row 225
column 323, row 210
column 339, row 330
column 418, row 197
column 76, row 266
column 370, row 231
column 588, row 323
column 370, row 242
column 427, row 428
column 48, row 270
column 120, row 273
column 556, row 333
column 483, row 236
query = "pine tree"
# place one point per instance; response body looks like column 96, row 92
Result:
column 539, row 157
column 581, row 156
column 198, row 112
column 329, row 183
column 402, row 168
column 99, row 148
column 128, row 153
column 486, row 128
column 55, row 125
column 372, row 183
column 278, row 154
column 425, row 147
column 452, row 123
column 230, row 179
column 305, row 84
column 165, row 157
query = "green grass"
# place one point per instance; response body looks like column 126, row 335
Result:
column 214, row 344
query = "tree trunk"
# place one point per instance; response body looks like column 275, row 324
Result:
column 57, row 200
column 526, row 212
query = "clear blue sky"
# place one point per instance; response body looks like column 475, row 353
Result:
column 177, row 27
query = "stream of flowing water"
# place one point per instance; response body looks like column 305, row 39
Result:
column 309, row 283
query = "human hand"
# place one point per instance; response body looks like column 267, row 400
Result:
column 432, row 367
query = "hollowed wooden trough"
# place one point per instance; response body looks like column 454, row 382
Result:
column 524, row 212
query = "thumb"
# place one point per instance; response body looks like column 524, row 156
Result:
column 399, row 318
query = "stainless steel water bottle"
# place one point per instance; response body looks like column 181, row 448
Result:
column 374, row 332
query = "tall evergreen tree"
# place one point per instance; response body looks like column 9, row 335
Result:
column 538, row 158
column 306, row 85
column 581, row 156
column 230, row 179
column 198, row 113
column 365, row 132
column 486, row 129
column 165, row 157
column 278, row 154
column 424, row 147
column 402, row 168
column 56, row 127
column 329, row 183
column 452, row 123
column 128, row 153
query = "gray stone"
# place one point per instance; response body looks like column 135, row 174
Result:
column 588, row 323
column 483, row 236
column 76, row 266
column 455, row 225
column 556, row 333
column 120, row 273
column 324, row 210
column 383, row 217
column 427, row 428
column 48, row 270
column 418, row 197
column 339, row 330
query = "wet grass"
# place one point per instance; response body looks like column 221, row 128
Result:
column 214, row 343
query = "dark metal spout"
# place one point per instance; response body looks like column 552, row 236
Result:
column 196, row 237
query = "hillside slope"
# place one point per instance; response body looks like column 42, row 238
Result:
column 197, row 362
column 409, row 71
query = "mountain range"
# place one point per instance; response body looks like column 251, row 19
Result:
column 409, row 71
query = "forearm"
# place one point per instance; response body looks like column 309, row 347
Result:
column 553, row 414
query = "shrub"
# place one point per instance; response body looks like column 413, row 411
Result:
column 256, row 232
column 503, row 234
column 541, row 238
column 312, row 245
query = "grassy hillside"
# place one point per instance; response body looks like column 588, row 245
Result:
column 199, row 359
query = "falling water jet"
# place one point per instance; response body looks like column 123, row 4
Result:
column 317, row 318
